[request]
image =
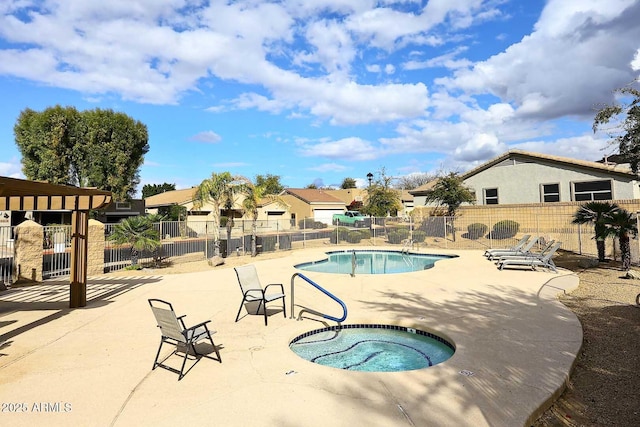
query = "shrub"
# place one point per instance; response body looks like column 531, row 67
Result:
column 419, row 236
column 365, row 233
column 338, row 234
column 318, row 225
column 354, row 237
column 505, row 229
column 477, row 230
column 398, row 235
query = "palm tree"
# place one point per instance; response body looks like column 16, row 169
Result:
column 596, row 213
column 138, row 232
column 255, row 194
column 221, row 190
column 622, row 224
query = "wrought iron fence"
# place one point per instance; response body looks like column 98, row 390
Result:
column 192, row 240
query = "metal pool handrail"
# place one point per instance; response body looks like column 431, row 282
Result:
column 324, row 291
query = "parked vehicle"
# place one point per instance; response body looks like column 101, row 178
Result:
column 350, row 218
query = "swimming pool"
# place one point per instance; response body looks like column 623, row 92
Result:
column 372, row 348
column 372, row 262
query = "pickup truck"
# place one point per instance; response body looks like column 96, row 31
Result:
column 352, row 218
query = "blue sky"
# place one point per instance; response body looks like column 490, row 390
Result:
column 318, row 90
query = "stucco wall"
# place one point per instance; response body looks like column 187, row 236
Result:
column 520, row 182
column 28, row 251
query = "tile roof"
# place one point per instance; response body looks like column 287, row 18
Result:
column 170, row 198
column 312, row 195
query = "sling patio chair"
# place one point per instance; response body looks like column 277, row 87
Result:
column 175, row 332
column 519, row 245
column 520, row 251
column 544, row 261
column 253, row 292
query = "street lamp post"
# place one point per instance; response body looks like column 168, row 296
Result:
column 370, row 179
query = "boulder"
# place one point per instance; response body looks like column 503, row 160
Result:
column 215, row 261
column 588, row 263
column 632, row 274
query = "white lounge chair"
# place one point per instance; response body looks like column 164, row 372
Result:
column 545, row 261
column 515, row 247
column 542, row 252
column 522, row 251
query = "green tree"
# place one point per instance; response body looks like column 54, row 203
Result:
column 382, row 199
column 269, row 183
column 596, row 213
column 348, row 183
column 95, row 148
column 149, row 190
column 137, row 231
column 451, row 192
column 625, row 129
column 623, row 224
column 221, row 190
column 312, row 186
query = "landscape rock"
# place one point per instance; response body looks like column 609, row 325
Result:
column 588, row 263
column 632, row 274
column 215, row 261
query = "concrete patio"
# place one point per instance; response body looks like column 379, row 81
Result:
column 515, row 345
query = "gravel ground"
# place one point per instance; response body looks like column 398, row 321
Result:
column 604, row 387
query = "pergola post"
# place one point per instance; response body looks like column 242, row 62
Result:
column 79, row 249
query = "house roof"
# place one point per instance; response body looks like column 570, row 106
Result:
column 312, row 195
column 613, row 169
column 175, row 197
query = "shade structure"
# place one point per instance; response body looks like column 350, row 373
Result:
column 24, row 195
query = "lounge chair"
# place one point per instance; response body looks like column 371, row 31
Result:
column 544, row 261
column 515, row 247
column 542, row 252
column 252, row 291
column 175, row 332
column 521, row 251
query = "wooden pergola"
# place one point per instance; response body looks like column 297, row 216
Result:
column 24, row 195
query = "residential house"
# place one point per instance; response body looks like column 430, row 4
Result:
column 312, row 203
column 355, row 197
column 518, row 177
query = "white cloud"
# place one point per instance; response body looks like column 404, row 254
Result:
column 11, row 169
column 328, row 167
column 566, row 65
column 344, row 149
column 208, row 136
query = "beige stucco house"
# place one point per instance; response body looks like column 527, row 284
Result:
column 312, row 203
column 518, row 177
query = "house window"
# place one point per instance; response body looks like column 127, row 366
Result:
column 550, row 192
column 490, row 196
column 592, row 190
column 123, row 206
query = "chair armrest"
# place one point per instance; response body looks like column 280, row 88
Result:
column 274, row 284
column 199, row 324
column 181, row 319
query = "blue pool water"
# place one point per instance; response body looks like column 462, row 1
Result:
column 372, row 262
column 372, row 348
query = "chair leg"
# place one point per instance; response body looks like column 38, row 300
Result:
column 214, row 346
column 263, row 303
column 155, row 362
column 240, row 309
column 284, row 308
column 184, row 361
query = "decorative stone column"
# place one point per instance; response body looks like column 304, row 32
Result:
column 95, row 250
column 28, row 252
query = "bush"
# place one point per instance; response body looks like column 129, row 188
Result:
column 504, row 229
column 477, row 230
column 310, row 223
column 398, row 235
column 338, row 234
column 365, row 233
column 354, row 237
column 419, row 236
column 318, row 225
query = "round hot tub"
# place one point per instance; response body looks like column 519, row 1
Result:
column 372, row 348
